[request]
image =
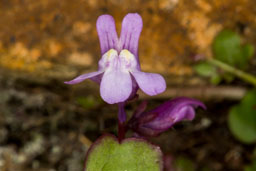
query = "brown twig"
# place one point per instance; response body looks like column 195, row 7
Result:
column 201, row 92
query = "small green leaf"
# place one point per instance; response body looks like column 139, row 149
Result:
column 107, row 154
column 228, row 77
column 216, row 79
column 227, row 48
column 205, row 69
column 248, row 50
column 184, row 164
column 242, row 119
column 251, row 167
column 87, row 102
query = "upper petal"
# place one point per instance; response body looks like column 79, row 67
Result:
column 116, row 86
column 150, row 83
column 83, row 77
column 107, row 33
column 130, row 33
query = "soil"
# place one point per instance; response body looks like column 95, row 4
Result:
column 44, row 127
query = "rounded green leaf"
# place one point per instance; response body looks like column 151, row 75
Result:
column 227, row 48
column 107, row 154
column 242, row 119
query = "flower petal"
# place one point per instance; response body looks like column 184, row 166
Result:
column 107, row 33
column 174, row 111
column 150, row 83
column 83, row 77
column 97, row 78
column 164, row 116
column 116, row 86
column 130, row 33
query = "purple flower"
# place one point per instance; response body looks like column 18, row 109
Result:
column 163, row 117
column 119, row 73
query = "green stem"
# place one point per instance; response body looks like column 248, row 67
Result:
column 241, row 74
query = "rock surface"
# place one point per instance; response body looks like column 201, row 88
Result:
column 37, row 36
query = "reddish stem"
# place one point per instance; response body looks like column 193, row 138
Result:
column 121, row 121
column 121, row 131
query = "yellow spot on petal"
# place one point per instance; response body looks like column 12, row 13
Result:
column 111, row 53
column 127, row 54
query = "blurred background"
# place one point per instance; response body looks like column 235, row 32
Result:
column 204, row 49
